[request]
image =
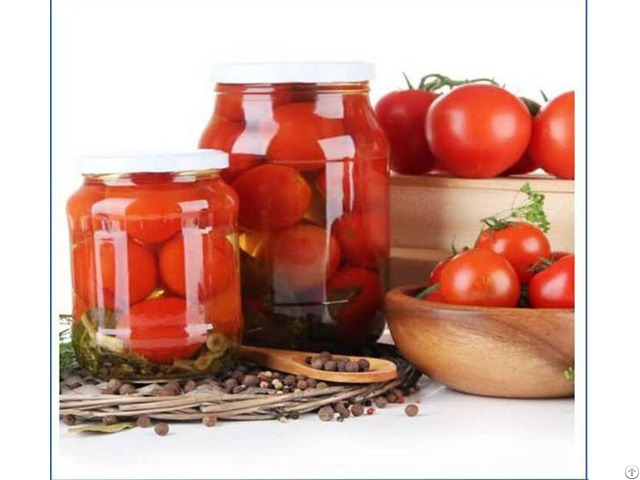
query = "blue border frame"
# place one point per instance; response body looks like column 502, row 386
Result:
column 586, row 219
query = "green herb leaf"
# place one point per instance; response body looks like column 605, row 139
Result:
column 101, row 428
column 569, row 373
column 532, row 210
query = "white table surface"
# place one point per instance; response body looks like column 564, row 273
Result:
column 454, row 436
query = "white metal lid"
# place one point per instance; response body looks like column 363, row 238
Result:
column 153, row 162
column 293, row 72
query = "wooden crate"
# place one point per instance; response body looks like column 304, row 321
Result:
column 430, row 212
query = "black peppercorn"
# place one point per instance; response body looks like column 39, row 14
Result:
column 289, row 380
column 311, row 383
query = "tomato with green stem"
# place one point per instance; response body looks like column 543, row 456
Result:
column 552, row 138
column 554, row 287
column 521, row 243
column 479, row 277
column 271, row 197
column 402, row 114
column 478, row 131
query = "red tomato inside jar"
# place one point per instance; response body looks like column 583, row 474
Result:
column 155, row 266
column 310, row 166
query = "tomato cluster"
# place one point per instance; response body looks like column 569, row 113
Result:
column 511, row 265
column 309, row 164
column 156, row 252
column 477, row 130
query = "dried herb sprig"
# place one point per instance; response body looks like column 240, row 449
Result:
column 531, row 210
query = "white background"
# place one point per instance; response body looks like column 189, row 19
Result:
column 134, row 75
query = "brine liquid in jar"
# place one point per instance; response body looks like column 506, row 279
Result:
column 155, row 268
column 309, row 164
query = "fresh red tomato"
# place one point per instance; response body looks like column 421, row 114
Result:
column 365, row 284
column 555, row 256
column 303, row 137
column 164, row 329
column 480, row 277
column 402, row 115
column 300, row 258
column 521, row 243
column 363, row 237
column 127, row 262
column 197, row 265
column 478, row 131
column 434, row 275
column 271, row 197
column 246, row 148
column 552, row 138
column 553, row 287
column 360, row 185
column 526, row 164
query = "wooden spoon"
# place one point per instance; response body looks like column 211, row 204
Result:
column 294, row 362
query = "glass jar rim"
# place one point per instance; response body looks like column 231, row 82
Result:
column 153, row 162
column 293, row 72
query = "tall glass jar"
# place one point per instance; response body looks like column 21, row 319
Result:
column 310, row 166
column 156, row 286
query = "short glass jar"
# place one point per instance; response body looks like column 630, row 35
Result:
column 154, row 257
column 309, row 163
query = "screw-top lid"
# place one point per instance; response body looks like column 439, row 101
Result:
column 293, row 72
column 154, row 162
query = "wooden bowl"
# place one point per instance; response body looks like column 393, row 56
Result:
column 499, row 352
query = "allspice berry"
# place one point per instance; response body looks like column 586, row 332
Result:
column 351, row 367
column 209, row 420
column 411, row 410
column 250, row 380
column 330, row 366
column 127, row 389
column 113, row 385
column 364, row 365
column 381, row 402
column 326, row 413
column 357, row 410
column 143, row 421
column 161, row 429
column 109, row 420
column 69, row 420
